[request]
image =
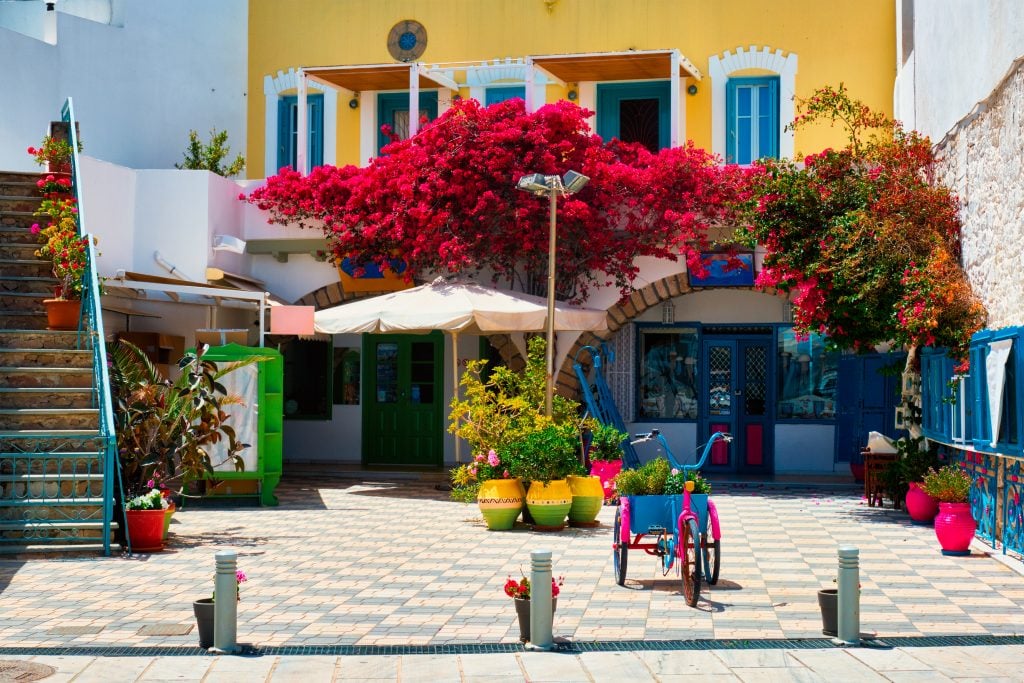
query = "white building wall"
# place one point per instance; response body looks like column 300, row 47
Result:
column 138, row 88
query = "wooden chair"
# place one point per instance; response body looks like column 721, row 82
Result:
column 874, row 485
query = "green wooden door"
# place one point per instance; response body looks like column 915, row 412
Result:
column 403, row 400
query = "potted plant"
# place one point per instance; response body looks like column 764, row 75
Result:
column 54, row 153
column 519, row 591
column 915, row 459
column 605, row 455
column 545, row 457
column 498, row 495
column 954, row 525
column 145, row 518
column 204, row 611
column 165, row 428
column 65, row 248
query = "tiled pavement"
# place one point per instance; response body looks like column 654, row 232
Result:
column 345, row 561
column 910, row 664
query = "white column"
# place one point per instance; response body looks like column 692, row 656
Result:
column 674, row 103
column 330, row 131
column 368, row 126
column 414, row 99
column 531, row 95
column 270, row 141
column 301, row 163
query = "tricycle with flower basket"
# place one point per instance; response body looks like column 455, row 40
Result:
column 671, row 527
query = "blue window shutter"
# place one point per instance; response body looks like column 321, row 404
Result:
column 751, row 119
column 288, row 130
column 502, row 93
column 315, row 118
column 285, row 125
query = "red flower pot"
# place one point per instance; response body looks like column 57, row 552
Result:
column 146, row 530
column 954, row 527
column 921, row 507
column 605, row 470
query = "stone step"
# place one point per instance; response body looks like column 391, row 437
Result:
column 79, row 492
column 62, row 550
column 34, row 284
column 20, row 188
column 9, row 203
column 17, row 319
column 29, row 267
column 42, row 339
column 20, row 219
column 16, row 233
column 32, row 397
column 22, row 376
column 51, row 532
column 48, row 445
column 49, row 477
column 52, row 434
column 49, row 419
column 52, row 463
column 45, row 358
column 24, row 301
column 21, row 176
column 19, row 251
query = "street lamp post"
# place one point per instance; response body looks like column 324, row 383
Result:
column 551, row 185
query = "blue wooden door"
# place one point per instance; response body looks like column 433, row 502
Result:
column 736, row 397
column 634, row 112
column 393, row 111
column 866, row 400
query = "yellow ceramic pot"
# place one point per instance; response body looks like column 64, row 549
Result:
column 587, row 498
column 549, row 503
column 500, row 501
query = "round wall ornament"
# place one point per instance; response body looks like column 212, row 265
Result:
column 407, row 40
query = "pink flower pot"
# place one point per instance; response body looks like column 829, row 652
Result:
column 921, row 507
column 605, row 470
column 954, row 527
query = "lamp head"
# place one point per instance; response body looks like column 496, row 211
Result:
column 573, row 182
column 533, row 182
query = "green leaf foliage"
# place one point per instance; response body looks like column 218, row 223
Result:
column 210, row 156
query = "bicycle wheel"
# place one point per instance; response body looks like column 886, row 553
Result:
column 620, row 550
column 712, row 550
column 689, row 549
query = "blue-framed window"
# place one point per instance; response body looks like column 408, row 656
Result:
column 635, row 112
column 945, row 401
column 504, row 92
column 1009, row 438
column 393, row 111
column 752, row 119
column 807, row 377
column 669, row 362
column 288, row 130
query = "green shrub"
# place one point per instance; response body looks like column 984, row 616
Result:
column 676, row 481
column 647, row 480
column 606, row 443
column 551, row 452
column 208, row 157
column 949, row 484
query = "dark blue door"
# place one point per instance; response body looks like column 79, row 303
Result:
column 635, row 112
column 393, row 111
column 866, row 401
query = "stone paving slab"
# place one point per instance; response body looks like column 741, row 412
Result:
column 854, row 664
column 351, row 562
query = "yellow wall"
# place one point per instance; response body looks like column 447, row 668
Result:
column 848, row 41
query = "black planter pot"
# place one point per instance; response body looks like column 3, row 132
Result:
column 523, row 612
column 204, row 621
column 828, row 601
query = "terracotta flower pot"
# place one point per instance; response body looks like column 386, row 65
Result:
column 921, row 507
column 954, row 527
column 62, row 314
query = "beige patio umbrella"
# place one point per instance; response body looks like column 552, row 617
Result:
column 455, row 307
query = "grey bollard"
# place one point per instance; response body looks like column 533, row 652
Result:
column 541, row 615
column 225, row 606
column 848, row 584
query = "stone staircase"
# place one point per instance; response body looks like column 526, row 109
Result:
column 51, row 456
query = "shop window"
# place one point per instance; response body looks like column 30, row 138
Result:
column 288, row 130
column 307, row 379
column 752, row 119
column 807, row 377
column 346, row 377
column 668, row 373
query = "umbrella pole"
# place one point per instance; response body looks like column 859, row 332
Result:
column 455, row 388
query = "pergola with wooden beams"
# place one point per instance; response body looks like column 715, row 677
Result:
column 632, row 65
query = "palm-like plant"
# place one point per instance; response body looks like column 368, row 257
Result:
column 167, row 428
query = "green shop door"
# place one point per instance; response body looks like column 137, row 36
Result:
column 403, row 400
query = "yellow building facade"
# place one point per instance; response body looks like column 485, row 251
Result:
column 806, row 44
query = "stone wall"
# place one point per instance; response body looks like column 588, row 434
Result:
column 982, row 160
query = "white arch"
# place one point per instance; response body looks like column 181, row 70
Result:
column 720, row 68
column 273, row 86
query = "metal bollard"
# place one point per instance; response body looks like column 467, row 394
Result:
column 848, row 584
column 225, row 607
column 541, row 615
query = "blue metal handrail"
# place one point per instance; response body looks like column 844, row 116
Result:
column 91, row 324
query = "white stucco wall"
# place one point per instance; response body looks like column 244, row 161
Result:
column 961, row 50
column 174, row 65
column 108, row 203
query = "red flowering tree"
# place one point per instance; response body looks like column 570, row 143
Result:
column 445, row 200
column 862, row 236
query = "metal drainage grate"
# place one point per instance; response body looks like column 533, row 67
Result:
column 13, row 670
column 491, row 648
